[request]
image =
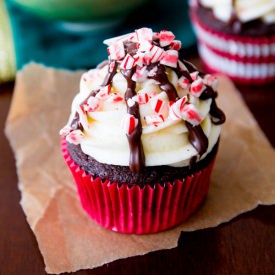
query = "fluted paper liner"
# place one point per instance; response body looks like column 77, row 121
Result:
column 69, row 240
column 139, row 210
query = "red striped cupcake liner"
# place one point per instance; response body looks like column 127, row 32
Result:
column 245, row 59
column 136, row 210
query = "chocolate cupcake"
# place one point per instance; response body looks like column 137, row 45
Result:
column 236, row 38
column 143, row 134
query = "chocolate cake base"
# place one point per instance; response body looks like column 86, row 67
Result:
column 123, row 174
column 253, row 28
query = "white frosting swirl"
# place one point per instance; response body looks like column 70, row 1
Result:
column 164, row 138
column 164, row 143
column 246, row 10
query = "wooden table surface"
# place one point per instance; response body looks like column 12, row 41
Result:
column 245, row 245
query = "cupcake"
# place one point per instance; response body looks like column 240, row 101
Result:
column 143, row 134
column 236, row 38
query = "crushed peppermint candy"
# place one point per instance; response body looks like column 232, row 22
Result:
column 144, row 34
column 165, row 38
column 130, row 123
column 140, row 74
column 194, row 75
column 75, row 137
column 191, row 114
column 197, row 87
column 92, row 104
column 184, row 82
column 157, row 53
column 130, row 102
column 128, row 62
column 170, row 58
column 154, row 119
column 115, row 98
column 141, row 98
column 211, row 81
column 158, row 105
column 175, row 45
column 176, row 108
column 104, row 92
column 116, row 51
column 65, row 130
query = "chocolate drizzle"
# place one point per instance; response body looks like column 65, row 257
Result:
column 76, row 123
column 111, row 73
column 218, row 116
column 137, row 158
column 165, row 84
column 197, row 138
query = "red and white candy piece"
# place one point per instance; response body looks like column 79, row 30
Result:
column 191, row 114
column 104, row 92
column 133, row 37
column 144, row 34
column 141, row 98
column 112, row 65
column 146, row 58
column 211, row 81
column 142, row 58
column 183, row 82
column 140, row 74
column 158, row 105
column 138, row 57
column 92, row 104
column 130, row 123
column 156, row 53
column 130, row 102
column 121, row 38
column 65, row 130
column 165, row 38
column 194, row 75
column 197, row 87
column 115, row 98
column 75, row 137
column 170, row 58
column 128, row 62
column 176, row 108
column 175, row 45
column 154, row 119
column 116, row 51
column 144, row 46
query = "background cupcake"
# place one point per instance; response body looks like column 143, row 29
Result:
column 143, row 134
column 237, row 38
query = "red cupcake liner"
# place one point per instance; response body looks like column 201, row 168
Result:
column 244, row 59
column 136, row 210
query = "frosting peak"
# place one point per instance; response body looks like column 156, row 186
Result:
column 145, row 106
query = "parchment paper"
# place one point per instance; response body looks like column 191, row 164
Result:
column 69, row 240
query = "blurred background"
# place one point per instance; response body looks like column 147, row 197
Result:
column 69, row 33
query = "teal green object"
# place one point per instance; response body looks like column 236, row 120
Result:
column 53, row 44
column 79, row 10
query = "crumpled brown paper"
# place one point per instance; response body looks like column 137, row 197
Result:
column 69, row 240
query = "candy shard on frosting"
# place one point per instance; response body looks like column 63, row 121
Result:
column 154, row 95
